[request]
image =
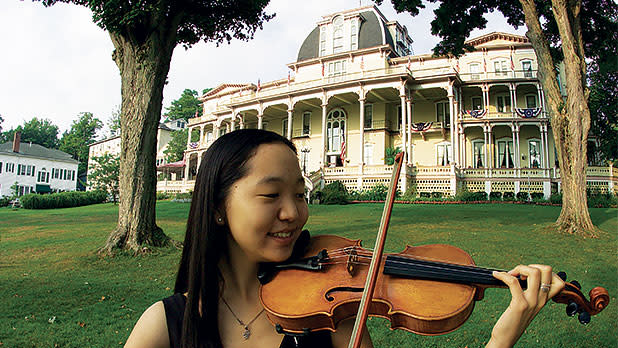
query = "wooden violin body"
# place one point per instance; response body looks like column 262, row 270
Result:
column 411, row 289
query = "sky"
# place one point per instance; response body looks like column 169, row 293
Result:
column 57, row 63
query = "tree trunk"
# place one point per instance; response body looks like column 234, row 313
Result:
column 143, row 68
column 570, row 118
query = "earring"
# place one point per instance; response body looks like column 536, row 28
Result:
column 219, row 219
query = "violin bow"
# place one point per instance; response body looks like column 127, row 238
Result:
column 372, row 274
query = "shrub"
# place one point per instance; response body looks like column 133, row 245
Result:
column 537, row 196
column 436, row 194
column 4, row 201
column 316, row 195
column 183, row 197
column 425, row 194
column 522, row 196
column 335, row 193
column 555, row 198
column 467, row 196
column 377, row 193
column 508, row 196
column 163, row 195
column 602, row 200
column 495, row 196
column 62, row 199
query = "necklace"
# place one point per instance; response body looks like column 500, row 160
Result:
column 247, row 332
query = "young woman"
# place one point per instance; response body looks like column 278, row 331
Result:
column 248, row 207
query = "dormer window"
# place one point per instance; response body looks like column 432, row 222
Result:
column 323, row 40
column 354, row 34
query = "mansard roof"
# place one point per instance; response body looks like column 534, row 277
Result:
column 373, row 32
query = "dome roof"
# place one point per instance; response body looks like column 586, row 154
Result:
column 373, row 32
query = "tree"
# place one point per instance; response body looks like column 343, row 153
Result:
column 76, row 141
column 103, row 174
column 1, row 120
column 144, row 34
column 113, row 123
column 177, row 145
column 37, row 131
column 185, row 107
column 557, row 37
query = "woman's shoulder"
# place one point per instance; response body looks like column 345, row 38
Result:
column 151, row 329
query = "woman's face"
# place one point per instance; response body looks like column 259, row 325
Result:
column 266, row 209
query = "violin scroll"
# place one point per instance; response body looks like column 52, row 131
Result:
column 577, row 303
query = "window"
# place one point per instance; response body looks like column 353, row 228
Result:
column 335, row 130
column 10, row 167
column 479, row 154
column 284, row 127
column 338, row 34
column 443, row 113
column 444, row 154
column 475, row 69
column 306, row 123
column 526, row 66
column 222, row 129
column 209, row 137
column 505, row 154
column 336, row 68
column 477, row 103
column 531, row 101
column 323, row 40
column 21, row 169
column 368, row 154
column 43, row 176
column 368, row 121
column 353, row 35
column 500, row 67
column 503, row 103
column 398, row 117
column 73, row 175
column 0, row 167
column 534, row 150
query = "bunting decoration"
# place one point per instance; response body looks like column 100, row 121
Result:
column 193, row 145
column 476, row 113
column 421, row 126
column 528, row 113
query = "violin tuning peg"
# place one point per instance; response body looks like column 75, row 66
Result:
column 572, row 308
column 584, row 317
column 562, row 276
column 576, row 284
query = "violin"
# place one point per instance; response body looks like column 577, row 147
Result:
column 428, row 289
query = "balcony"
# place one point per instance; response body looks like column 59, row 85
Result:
column 519, row 113
column 498, row 75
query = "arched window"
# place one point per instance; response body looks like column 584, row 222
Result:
column 335, row 130
column 337, row 34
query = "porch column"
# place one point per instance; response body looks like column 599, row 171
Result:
column 409, row 129
column 485, row 150
column 324, row 106
column 199, row 161
column 451, row 105
column 540, row 93
column 542, row 144
column 455, row 134
column 491, row 147
column 462, row 147
column 260, row 117
column 233, row 122
column 361, row 145
column 514, row 103
column 289, row 135
column 242, row 121
column 187, row 164
column 404, row 131
column 518, row 148
column 216, row 131
column 486, row 97
column 201, row 134
column 189, row 137
column 512, row 96
column 227, row 128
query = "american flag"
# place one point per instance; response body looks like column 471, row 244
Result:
column 288, row 77
column 259, row 86
column 512, row 64
column 322, row 69
column 484, row 65
column 343, row 150
column 362, row 64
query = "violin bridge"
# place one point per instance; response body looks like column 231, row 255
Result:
column 351, row 264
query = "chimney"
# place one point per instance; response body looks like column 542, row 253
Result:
column 16, row 141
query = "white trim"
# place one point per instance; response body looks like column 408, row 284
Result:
column 540, row 152
column 482, row 153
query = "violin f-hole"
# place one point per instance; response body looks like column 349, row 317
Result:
column 329, row 298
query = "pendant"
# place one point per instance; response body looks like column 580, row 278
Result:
column 247, row 333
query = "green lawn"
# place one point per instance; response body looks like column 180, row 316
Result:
column 55, row 291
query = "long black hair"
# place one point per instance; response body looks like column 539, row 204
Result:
column 222, row 165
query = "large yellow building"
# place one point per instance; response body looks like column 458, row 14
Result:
column 357, row 92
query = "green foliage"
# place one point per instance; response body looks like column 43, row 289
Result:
column 37, row 131
column 62, row 199
column 602, row 200
column 603, row 100
column 185, row 107
column 335, row 193
column 523, row 196
column 103, row 174
column 555, row 198
column 495, row 196
column 537, row 196
column 163, row 196
column 508, row 196
column 316, row 196
column 467, row 196
column 177, row 145
column 389, row 155
column 4, row 201
column 76, row 140
column 113, row 123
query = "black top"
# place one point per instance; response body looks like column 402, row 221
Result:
column 175, row 309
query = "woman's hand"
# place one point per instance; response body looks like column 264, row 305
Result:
column 542, row 285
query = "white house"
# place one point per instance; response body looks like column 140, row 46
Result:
column 35, row 168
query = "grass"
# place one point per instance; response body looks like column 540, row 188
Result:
column 55, row 291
